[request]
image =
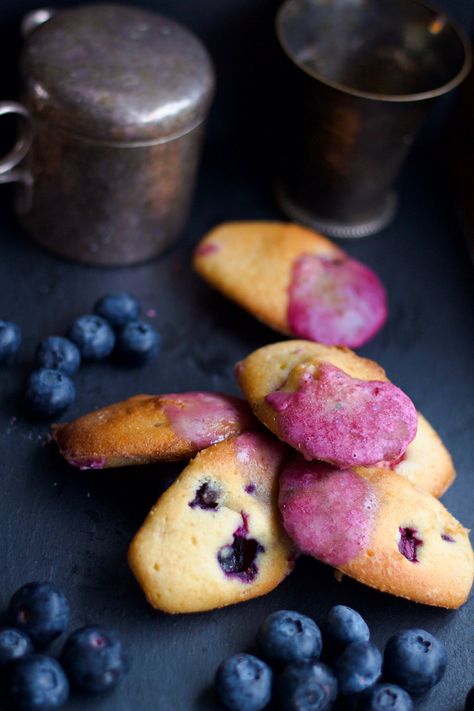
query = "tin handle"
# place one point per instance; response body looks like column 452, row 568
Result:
column 8, row 174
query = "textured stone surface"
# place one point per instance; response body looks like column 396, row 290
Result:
column 74, row 528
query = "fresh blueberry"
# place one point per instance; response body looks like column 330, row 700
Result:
column 38, row 683
column 118, row 308
column 14, row 644
column 358, row 667
column 10, row 340
column 306, row 686
column 344, row 626
column 41, row 610
column 470, row 701
column 385, row 697
column 94, row 337
column 415, row 660
column 58, row 353
column 287, row 636
column 95, row 659
column 138, row 342
column 49, row 392
column 244, row 683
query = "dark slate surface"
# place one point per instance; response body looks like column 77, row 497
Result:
column 74, row 528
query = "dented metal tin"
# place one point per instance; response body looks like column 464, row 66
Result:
column 118, row 97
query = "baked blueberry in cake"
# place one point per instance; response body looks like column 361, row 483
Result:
column 379, row 529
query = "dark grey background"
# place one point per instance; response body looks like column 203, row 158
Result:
column 74, row 527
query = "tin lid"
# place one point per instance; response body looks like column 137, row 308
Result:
column 117, row 73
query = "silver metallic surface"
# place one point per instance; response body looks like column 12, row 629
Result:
column 362, row 75
column 117, row 73
column 109, row 205
column 385, row 215
column 34, row 19
column 118, row 97
column 12, row 169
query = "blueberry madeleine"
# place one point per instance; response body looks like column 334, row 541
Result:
column 380, row 530
column 215, row 537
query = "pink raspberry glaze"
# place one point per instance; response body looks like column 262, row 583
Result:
column 335, row 300
column 343, row 420
column 87, row 462
column 258, row 451
column 394, row 463
column 259, row 457
column 329, row 513
column 205, row 249
column 206, row 418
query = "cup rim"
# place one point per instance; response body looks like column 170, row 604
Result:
column 374, row 96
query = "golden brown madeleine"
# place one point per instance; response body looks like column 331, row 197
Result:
column 379, row 529
column 215, row 537
column 426, row 462
column 152, row 428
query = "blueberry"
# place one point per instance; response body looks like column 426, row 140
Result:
column 358, row 667
column 10, row 340
column 14, row 644
column 118, row 308
column 306, row 686
column 286, row 637
column 138, row 342
column 95, row 659
column 41, row 610
column 49, row 392
column 415, row 660
column 344, row 626
column 38, row 683
column 244, row 683
column 207, row 496
column 58, row 353
column 470, row 701
column 385, row 697
column 94, row 337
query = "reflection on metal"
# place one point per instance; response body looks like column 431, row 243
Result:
column 361, row 78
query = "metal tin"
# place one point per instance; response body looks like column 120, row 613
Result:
column 118, row 97
column 363, row 75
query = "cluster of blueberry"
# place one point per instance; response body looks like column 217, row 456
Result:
column 113, row 325
column 292, row 644
column 93, row 659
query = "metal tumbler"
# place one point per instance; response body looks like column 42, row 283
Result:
column 362, row 75
column 114, row 104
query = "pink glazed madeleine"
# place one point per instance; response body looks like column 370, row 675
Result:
column 335, row 300
column 295, row 280
column 279, row 368
column 328, row 403
column 380, row 530
column 344, row 420
column 152, row 428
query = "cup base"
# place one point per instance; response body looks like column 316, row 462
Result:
column 333, row 228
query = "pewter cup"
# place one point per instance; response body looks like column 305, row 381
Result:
column 114, row 104
column 362, row 75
